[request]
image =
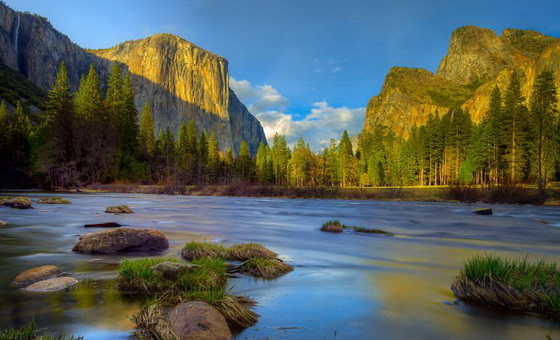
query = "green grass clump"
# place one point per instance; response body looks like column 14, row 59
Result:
column 198, row 250
column 119, row 209
column 136, row 276
column 333, row 226
column 53, row 200
column 235, row 310
column 246, row 251
column 371, row 231
column 510, row 283
column 265, row 268
column 29, row 332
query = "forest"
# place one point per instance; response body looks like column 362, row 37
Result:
column 95, row 135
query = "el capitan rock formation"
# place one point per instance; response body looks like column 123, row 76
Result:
column 181, row 81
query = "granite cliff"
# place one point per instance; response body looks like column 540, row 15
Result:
column 180, row 80
column 477, row 61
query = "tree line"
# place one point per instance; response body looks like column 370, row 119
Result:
column 94, row 136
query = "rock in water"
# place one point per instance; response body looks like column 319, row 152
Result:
column 120, row 209
column 198, row 320
column 18, row 203
column 122, row 240
column 37, row 274
column 103, row 225
column 482, row 211
column 51, row 285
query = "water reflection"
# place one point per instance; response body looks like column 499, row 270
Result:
column 346, row 286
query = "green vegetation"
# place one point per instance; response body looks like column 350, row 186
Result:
column 15, row 87
column 371, row 231
column 514, row 284
column 137, row 276
column 333, row 226
column 119, row 209
column 53, row 200
column 528, row 42
column 198, row 250
column 29, row 332
column 246, row 251
column 265, row 268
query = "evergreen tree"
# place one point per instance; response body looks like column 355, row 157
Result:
column 245, row 164
column 202, row 155
column 280, row 158
column 56, row 154
column 214, row 161
column 146, row 136
column 543, row 126
column 229, row 165
column 264, row 164
column 346, row 161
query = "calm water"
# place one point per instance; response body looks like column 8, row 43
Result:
column 344, row 286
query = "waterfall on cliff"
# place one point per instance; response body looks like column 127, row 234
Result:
column 16, row 37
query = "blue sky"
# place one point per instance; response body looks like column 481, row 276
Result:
column 303, row 67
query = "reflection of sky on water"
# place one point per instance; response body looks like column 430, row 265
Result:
column 344, row 286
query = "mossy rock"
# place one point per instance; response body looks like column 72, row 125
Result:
column 198, row 250
column 333, row 227
column 265, row 268
column 53, row 200
column 372, row 231
column 18, row 203
column 246, row 251
column 120, row 209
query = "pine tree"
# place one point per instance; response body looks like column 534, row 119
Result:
column 265, row 171
column 202, row 155
column 57, row 153
column 543, row 121
column 245, row 166
column 346, row 161
column 280, row 158
column 229, row 165
column 127, row 130
column 213, row 166
column 146, row 136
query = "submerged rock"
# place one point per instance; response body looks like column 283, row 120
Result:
column 122, row 240
column 52, row 285
column 482, row 211
column 171, row 270
column 103, row 225
column 120, row 209
column 37, row 274
column 18, row 203
column 198, row 320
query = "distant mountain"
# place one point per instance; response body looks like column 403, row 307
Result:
column 180, row 80
column 476, row 62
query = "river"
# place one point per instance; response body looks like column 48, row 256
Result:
column 344, row 286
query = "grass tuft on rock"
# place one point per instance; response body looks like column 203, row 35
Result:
column 120, row 209
column 509, row 283
column 137, row 276
column 151, row 322
column 246, row 251
column 333, row 226
column 198, row 250
column 236, row 312
column 265, row 268
column 372, row 231
column 53, row 200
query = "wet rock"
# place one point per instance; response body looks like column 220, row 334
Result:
column 482, row 211
column 122, row 240
column 51, row 285
column 171, row 270
column 103, row 225
column 121, row 209
column 37, row 274
column 18, row 203
column 53, row 200
column 2, row 223
column 198, row 320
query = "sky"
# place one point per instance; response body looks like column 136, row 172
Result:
column 304, row 68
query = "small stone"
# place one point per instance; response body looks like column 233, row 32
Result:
column 37, row 274
column 198, row 320
column 51, row 285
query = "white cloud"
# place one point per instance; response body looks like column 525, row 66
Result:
column 317, row 127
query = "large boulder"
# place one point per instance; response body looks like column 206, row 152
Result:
column 122, row 240
column 51, row 285
column 37, row 274
column 198, row 320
